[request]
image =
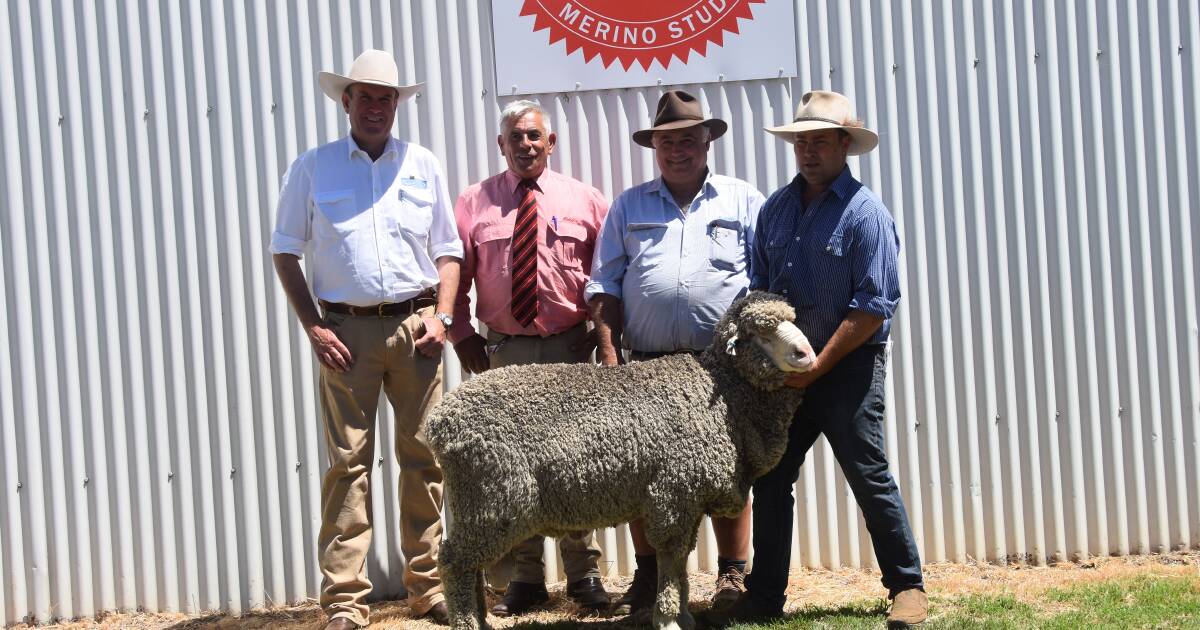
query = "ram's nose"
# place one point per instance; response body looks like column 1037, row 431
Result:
column 800, row 359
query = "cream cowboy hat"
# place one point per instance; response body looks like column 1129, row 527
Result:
column 827, row 110
column 375, row 67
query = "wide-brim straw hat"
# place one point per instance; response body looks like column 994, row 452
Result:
column 374, row 67
column 827, row 110
column 679, row 110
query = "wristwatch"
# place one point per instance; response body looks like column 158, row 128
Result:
column 446, row 319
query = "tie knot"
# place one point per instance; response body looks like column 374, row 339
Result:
column 528, row 184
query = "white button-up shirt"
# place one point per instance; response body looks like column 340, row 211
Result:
column 373, row 228
column 676, row 273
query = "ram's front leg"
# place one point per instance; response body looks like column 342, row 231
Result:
column 671, row 604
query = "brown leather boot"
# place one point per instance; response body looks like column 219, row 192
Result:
column 909, row 608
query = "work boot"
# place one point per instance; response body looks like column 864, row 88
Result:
column 731, row 583
column 589, row 594
column 640, row 595
column 909, row 608
column 520, row 597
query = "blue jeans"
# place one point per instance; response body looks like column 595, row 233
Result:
column 847, row 406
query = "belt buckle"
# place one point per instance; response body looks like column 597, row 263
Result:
column 379, row 309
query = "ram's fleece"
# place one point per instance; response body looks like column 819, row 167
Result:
column 551, row 449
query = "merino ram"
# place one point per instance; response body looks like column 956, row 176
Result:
column 551, row 449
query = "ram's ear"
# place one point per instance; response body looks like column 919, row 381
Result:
column 731, row 346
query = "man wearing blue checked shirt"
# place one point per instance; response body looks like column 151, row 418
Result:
column 828, row 244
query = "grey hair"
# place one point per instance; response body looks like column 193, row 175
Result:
column 517, row 109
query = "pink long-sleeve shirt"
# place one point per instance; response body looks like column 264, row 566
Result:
column 569, row 217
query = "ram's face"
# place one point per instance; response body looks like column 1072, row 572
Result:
column 787, row 347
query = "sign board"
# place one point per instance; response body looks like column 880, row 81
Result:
column 568, row 45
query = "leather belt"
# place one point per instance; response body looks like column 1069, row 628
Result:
column 393, row 309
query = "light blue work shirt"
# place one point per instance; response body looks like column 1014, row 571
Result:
column 676, row 273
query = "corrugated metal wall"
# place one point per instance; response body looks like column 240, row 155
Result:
column 158, row 432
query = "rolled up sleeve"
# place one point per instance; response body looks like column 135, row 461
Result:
column 293, row 224
column 443, row 234
column 609, row 259
column 874, row 266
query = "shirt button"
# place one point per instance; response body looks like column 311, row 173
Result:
column 789, row 264
column 785, row 291
column 828, row 248
column 797, row 238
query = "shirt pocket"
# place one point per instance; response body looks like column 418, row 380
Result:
column 416, row 212
column 643, row 242
column 494, row 252
column 339, row 210
column 568, row 240
column 725, row 248
column 825, row 269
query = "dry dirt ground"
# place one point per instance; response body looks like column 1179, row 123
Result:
column 808, row 588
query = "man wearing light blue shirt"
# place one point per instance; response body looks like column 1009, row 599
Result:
column 671, row 257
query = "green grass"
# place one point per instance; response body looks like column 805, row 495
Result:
column 1142, row 602
column 1137, row 602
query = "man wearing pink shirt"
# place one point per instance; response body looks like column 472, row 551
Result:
column 528, row 235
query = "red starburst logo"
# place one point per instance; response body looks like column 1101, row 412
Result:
column 641, row 31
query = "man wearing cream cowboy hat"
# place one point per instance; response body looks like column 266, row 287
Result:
column 374, row 214
column 828, row 244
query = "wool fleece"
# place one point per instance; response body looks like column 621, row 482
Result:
column 551, row 449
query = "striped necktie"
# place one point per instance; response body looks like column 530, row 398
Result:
column 524, row 257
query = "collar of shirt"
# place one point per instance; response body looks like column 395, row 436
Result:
column 707, row 190
column 844, row 185
column 392, row 152
column 513, row 182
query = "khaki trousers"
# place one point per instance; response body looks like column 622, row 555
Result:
column 384, row 358
column 580, row 553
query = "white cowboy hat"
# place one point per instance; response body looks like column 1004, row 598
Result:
column 375, row 67
column 827, row 110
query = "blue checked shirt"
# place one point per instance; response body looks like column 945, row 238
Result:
column 837, row 256
column 676, row 273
